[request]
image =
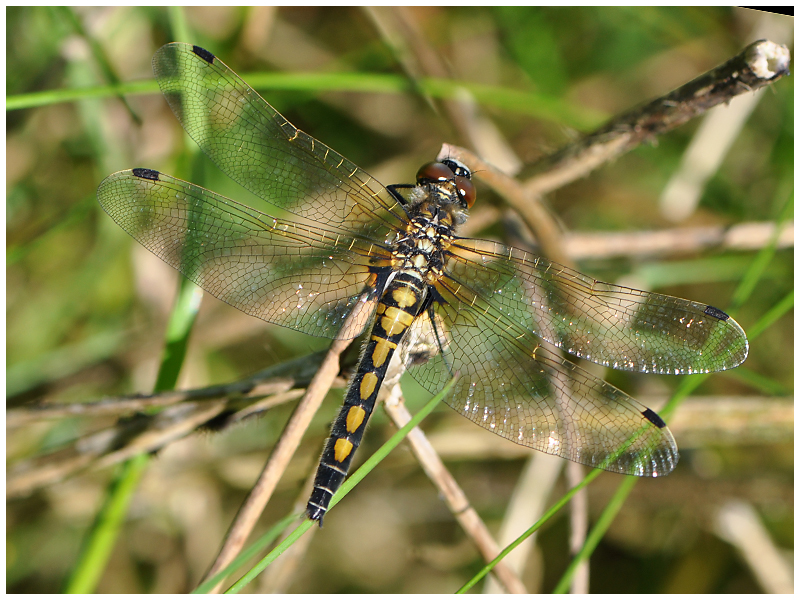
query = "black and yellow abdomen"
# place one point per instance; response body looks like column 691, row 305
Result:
column 398, row 307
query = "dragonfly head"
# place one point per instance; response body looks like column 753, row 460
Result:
column 449, row 173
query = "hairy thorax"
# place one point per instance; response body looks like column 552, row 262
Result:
column 430, row 231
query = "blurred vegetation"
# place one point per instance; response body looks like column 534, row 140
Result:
column 87, row 308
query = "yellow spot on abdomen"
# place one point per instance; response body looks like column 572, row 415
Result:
column 395, row 321
column 392, row 327
column 342, row 449
column 355, row 417
column 368, row 383
column 382, row 349
column 404, row 297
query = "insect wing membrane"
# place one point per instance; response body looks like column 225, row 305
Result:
column 258, row 148
column 514, row 386
column 611, row 325
column 293, row 274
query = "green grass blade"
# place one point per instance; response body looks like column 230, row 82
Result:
column 504, row 99
column 101, row 538
column 776, row 312
column 762, row 260
column 596, row 534
column 533, row 529
column 687, row 386
column 761, row 383
column 99, row 55
column 48, row 97
column 178, row 24
column 97, row 549
column 248, row 553
column 751, row 277
column 177, row 337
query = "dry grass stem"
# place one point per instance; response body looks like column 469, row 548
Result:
column 453, row 495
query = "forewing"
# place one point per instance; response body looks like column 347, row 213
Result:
column 607, row 324
column 512, row 385
column 289, row 273
column 256, row 146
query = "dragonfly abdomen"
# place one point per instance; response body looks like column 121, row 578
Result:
column 398, row 307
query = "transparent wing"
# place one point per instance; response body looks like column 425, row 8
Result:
column 607, row 324
column 293, row 274
column 512, row 385
column 257, row 147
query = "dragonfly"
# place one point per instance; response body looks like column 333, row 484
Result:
column 353, row 255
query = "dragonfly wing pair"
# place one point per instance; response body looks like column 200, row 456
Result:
column 492, row 305
column 499, row 303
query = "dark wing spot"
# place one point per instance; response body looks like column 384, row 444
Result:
column 146, row 174
column 716, row 313
column 654, row 418
column 204, row 54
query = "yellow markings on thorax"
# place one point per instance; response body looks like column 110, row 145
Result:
column 382, row 349
column 342, row 449
column 419, row 261
column 355, row 417
column 425, row 245
column 368, row 383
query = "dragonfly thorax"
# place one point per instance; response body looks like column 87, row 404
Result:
column 428, row 234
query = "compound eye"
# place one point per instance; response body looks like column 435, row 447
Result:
column 458, row 168
column 466, row 190
column 434, row 171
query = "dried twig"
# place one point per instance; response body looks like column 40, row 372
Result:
column 675, row 241
column 578, row 527
column 274, row 380
column 527, row 505
column 277, row 577
column 287, row 445
column 453, row 495
column 419, row 59
column 183, row 412
column 761, row 63
column 739, row 524
column 129, row 437
column 530, row 209
column 284, row 450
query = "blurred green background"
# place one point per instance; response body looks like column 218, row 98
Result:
column 87, row 308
